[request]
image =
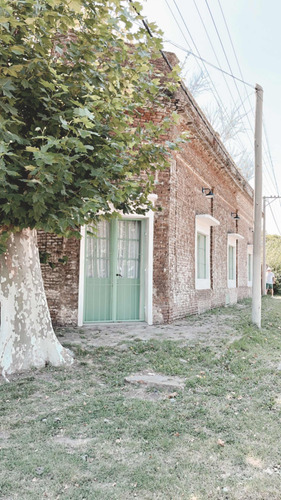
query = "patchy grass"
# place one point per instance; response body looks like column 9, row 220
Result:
column 82, row 433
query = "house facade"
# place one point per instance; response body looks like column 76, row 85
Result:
column 193, row 252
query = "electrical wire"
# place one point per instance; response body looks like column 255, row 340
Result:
column 215, row 92
column 184, row 49
column 242, row 77
column 230, row 69
column 268, row 163
column 273, row 216
column 193, row 105
column 235, row 78
column 189, row 52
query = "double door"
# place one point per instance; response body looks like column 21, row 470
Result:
column 114, row 277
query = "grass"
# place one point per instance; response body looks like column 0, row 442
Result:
column 82, row 433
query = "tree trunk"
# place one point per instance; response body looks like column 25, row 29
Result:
column 27, row 338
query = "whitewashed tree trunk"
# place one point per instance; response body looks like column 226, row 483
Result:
column 27, row 338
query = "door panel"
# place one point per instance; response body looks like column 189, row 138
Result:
column 98, row 282
column 113, row 272
column 128, row 270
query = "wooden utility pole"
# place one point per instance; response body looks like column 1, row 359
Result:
column 256, row 302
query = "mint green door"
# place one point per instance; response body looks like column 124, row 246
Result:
column 114, row 266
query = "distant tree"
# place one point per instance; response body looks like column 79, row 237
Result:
column 245, row 161
column 75, row 82
column 229, row 124
column 273, row 258
column 197, row 83
column 273, row 252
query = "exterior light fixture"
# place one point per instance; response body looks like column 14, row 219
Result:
column 209, row 193
column 235, row 215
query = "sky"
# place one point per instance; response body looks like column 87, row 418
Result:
column 241, row 37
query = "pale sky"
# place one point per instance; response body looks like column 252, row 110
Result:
column 255, row 30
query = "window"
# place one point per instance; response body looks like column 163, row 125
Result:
column 232, row 268
column 201, row 256
column 231, row 263
column 203, row 224
column 249, row 264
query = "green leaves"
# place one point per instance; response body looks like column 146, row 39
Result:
column 7, row 87
column 73, row 94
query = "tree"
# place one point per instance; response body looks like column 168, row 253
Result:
column 273, row 252
column 273, row 258
column 229, row 125
column 77, row 78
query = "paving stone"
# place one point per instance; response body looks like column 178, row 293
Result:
column 151, row 379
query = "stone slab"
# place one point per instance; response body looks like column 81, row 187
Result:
column 151, row 379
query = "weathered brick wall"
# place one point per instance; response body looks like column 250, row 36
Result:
column 203, row 162
column 181, row 197
column 62, row 282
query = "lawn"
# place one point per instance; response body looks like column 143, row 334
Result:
column 83, row 433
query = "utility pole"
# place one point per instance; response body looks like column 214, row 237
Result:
column 256, row 301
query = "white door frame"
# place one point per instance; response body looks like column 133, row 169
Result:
column 148, row 271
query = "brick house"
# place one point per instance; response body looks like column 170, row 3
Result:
column 192, row 255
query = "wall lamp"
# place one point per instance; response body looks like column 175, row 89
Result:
column 235, row 215
column 209, row 194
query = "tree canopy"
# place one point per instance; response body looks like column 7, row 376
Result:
column 75, row 78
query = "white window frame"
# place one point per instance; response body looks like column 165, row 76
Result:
column 203, row 224
column 231, row 242
column 250, row 252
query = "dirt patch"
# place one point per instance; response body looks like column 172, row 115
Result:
column 192, row 329
column 254, row 462
column 72, row 443
column 144, row 394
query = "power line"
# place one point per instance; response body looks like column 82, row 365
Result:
column 190, row 52
column 215, row 93
column 210, row 64
column 211, row 44
column 241, row 74
column 220, row 69
column 268, row 163
column 270, row 157
column 218, row 99
column 242, row 80
column 273, row 216
column 250, row 85
column 229, row 66
column 192, row 103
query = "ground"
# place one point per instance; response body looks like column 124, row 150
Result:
column 86, row 433
column 192, row 328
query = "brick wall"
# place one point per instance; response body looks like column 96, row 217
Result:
column 180, row 195
column 61, row 283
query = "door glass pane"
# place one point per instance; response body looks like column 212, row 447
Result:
column 97, row 265
column 128, row 251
